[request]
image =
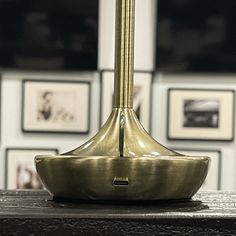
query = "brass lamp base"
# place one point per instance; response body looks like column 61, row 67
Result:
column 122, row 162
column 116, row 178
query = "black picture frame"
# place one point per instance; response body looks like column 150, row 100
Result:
column 75, row 26
column 22, row 156
column 181, row 37
column 178, row 101
column 72, row 84
column 0, row 108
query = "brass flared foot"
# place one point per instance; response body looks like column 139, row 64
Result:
column 122, row 162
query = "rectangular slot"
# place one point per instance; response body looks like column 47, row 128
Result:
column 120, row 182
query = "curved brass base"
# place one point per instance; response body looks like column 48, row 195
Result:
column 122, row 162
column 122, row 178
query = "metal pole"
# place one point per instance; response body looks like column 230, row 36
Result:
column 124, row 54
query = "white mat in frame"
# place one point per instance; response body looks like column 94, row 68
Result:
column 200, row 114
column 142, row 96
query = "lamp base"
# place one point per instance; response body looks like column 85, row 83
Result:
column 122, row 162
column 122, row 178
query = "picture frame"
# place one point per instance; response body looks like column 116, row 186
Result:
column 213, row 179
column 1, row 108
column 20, row 172
column 56, row 106
column 200, row 114
column 142, row 96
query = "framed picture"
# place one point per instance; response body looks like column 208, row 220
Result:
column 56, row 106
column 213, row 179
column 20, row 169
column 1, row 108
column 198, row 114
column 142, row 96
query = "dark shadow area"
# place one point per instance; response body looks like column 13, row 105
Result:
column 184, row 205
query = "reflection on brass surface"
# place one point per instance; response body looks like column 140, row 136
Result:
column 122, row 161
column 131, row 138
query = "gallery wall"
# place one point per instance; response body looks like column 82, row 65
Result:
column 159, row 119
column 11, row 115
column 144, row 34
column 11, row 95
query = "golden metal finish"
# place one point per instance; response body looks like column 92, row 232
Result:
column 122, row 161
column 124, row 53
column 122, row 178
column 122, row 135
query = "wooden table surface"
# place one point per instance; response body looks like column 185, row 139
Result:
column 36, row 213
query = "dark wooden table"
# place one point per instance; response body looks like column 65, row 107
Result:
column 35, row 213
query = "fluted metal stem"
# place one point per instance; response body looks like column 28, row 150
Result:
column 124, row 54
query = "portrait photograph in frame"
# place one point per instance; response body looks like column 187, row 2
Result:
column 142, row 96
column 20, row 172
column 51, row 106
column 200, row 114
column 213, row 179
